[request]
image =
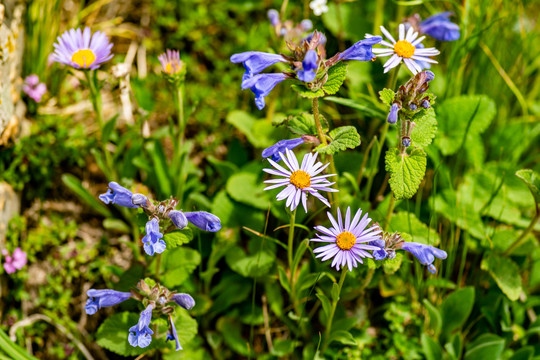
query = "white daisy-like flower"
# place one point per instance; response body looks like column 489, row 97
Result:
column 299, row 180
column 319, row 7
column 348, row 242
column 406, row 49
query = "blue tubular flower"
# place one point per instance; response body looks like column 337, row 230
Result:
column 426, row 254
column 118, row 195
column 261, row 85
column 256, row 61
column 273, row 16
column 152, row 240
column 381, row 253
column 184, row 300
column 178, row 218
column 103, row 298
column 309, row 67
column 361, row 51
column 393, row 114
column 440, row 27
column 279, row 147
column 172, row 335
column 140, row 334
column 204, row 220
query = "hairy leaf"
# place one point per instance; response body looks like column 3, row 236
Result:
column 406, row 171
column 307, row 93
column 343, row 138
column 387, row 96
column 425, row 128
column 336, row 76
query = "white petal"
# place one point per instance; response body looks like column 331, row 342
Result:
column 410, row 65
column 418, row 41
column 402, row 32
column 387, row 34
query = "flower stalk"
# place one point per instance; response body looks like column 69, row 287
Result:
column 332, row 312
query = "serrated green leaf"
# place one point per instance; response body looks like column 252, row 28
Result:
column 336, row 76
column 177, row 265
column 406, row 171
column 425, row 128
column 177, row 238
column 461, row 119
column 390, row 266
column 343, row 138
column 307, row 93
column 248, row 189
column 532, row 179
column 304, row 124
column 387, row 96
column 505, row 273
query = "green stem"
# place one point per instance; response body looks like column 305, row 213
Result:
column 332, row 312
column 523, row 237
column 390, row 211
column 290, row 249
column 158, row 265
column 181, row 120
column 322, row 138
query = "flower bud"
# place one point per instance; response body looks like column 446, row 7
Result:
column 178, row 218
column 393, row 114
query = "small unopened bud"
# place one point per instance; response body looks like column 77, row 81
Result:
column 393, row 114
column 273, row 16
column 413, row 107
column 178, row 218
column 406, row 141
column 425, row 104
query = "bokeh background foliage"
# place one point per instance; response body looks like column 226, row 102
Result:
column 481, row 304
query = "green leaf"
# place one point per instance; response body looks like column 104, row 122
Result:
column 486, row 346
column 248, row 189
column 343, row 337
column 525, row 353
column 108, row 129
column 336, row 76
column 178, row 264
column 432, row 349
column 325, row 302
column 390, row 266
column 258, row 132
column 307, row 93
column 407, row 222
column 435, row 319
column 343, row 138
column 364, row 106
column 283, row 347
column 532, row 179
column 304, row 124
column 186, row 326
column 256, row 265
column 505, row 272
column 387, row 96
column 455, row 346
column 284, row 279
column 114, row 331
column 177, row 238
column 160, row 167
column 461, row 118
column 76, row 186
column 372, row 264
column 406, row 171
column 335, row 292
column 456, row 308
column 425, row 128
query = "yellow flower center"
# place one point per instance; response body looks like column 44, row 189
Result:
column 168, row 68
column 84, row 58
column 300, row 179
column 404, row 49
column 345, row 240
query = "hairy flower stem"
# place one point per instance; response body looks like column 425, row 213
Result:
column 523, row 237
column 178, row 163
column 158, row 266
column 95, row 97
column 332, row 312
column 322, row 138
column 390, row 211
column 181, row 120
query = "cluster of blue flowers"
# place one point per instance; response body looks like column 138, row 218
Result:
column 153, row 240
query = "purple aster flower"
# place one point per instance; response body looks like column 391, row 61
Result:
column 299, row 180
column 170, row 62
column 256, row 61
column 152, row 241
column 33, row 88
column 279, row 147
column 204, row 220
column 349, row 240
column 178, row 218
column 273, row 16
column 82, row 49
column 15, row 262
column 393, row 114
column 172, row 335
column 362, row 50
column 184, row 300
column 261, row 85
column 118, row 195
column 309, row 67
column 103, row 298
column 140, row 334
column 426, row 254
column 440, row 27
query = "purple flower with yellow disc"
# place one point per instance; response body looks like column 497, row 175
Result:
column 82, row 49
column 170, row 62
column 348, row 241
column 299, row 180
